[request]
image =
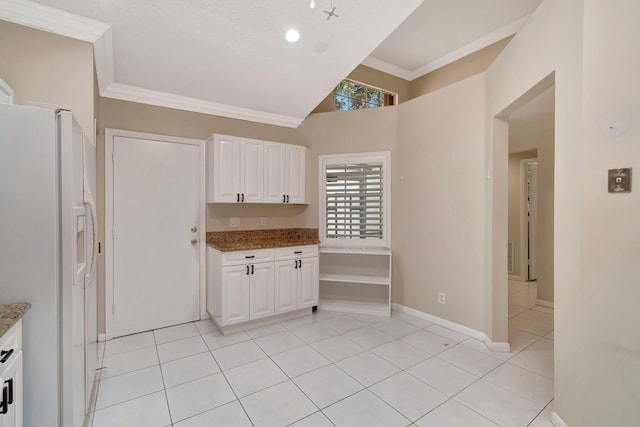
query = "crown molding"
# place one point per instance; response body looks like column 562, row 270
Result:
column 52, row 20
column 386, row 67
column 476, row 45
column 162, row 99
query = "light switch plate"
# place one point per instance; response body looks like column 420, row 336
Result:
column 620, row 180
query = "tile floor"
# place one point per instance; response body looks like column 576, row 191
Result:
column 330, row 369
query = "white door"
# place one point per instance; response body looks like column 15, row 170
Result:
column 286, row 295
column 308, row 282
column 261, row 290
column 252, row 181
column 156, row 255
column 235, row 294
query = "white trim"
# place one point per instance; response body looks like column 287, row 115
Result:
column 102, row 337
column 5, row 88
column 108, row 203
column 447, row 59
column 162, row 99
column 544, row 303
column 66, row 24
column 557, row 421
column 386, row 67
column 52, row 20
column 473, row 333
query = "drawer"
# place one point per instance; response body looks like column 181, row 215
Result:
column 293, row 252
column 10, row 345
column 247, row 257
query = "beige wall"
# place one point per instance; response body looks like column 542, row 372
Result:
column 461, row 69
column 438, row 203
column 591, row 47
column 344, row 132
column 372, row 77
column 48, row 70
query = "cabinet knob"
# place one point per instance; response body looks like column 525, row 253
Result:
column 194, row 241
column 194, row 229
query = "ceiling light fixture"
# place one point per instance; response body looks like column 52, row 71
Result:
column 312, row 4
column 292, row 35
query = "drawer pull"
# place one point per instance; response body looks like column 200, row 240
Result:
column 5, row 355
column 250, row 256
column 297, row 252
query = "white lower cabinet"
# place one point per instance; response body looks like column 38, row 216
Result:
column 247, row 285
column 11, row 380
column 235, row 292
column 261, row 290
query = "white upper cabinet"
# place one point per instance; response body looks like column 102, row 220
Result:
column 294, row 182
column 242, row 170
column 235, row 170
column 284, row 173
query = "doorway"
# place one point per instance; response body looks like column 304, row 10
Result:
column 155, row 224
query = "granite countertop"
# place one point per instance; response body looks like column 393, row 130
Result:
column 10, row 314
column 227, row 241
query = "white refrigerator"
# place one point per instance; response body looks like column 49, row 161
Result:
column 47, row 257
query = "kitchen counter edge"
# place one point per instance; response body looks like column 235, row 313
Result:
column 10, row 314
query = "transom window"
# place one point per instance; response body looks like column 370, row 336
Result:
column 350, row 95
column 354, row 194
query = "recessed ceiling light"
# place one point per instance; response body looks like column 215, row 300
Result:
column 292, row 35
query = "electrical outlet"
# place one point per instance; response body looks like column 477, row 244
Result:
column 441, row 299
column 234, row 221
column 263, row 221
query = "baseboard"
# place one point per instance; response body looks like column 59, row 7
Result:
column 557, row 421
column 473, row 333
column 543, row 303
column 102, row 337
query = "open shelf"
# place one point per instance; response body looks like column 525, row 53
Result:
column 355, row 280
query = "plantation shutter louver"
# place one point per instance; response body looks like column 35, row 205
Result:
column 354, row 201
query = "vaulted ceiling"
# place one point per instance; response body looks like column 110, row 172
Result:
column 231, row 58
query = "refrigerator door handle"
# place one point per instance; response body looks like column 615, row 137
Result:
column 78, row 251
column 90, row 204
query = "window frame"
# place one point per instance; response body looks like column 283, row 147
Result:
column 384, row 92
column 383, row 157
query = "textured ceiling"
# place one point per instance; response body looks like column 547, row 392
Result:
column 234, row 52
column 230, row 58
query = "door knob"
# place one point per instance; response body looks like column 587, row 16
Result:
column 194, row 241
column 194, row 229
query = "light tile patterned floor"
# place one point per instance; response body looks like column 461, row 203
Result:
column 330, row 369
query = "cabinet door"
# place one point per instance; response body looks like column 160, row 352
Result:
column 224, row 168
column 286, row 288
column 261, row 290
column 252, row 179
column 308, row 282
column 295, row 169
column 274, row 172
column 12, row 382
column 235, row 295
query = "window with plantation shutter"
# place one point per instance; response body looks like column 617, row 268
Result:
column 354, row 199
